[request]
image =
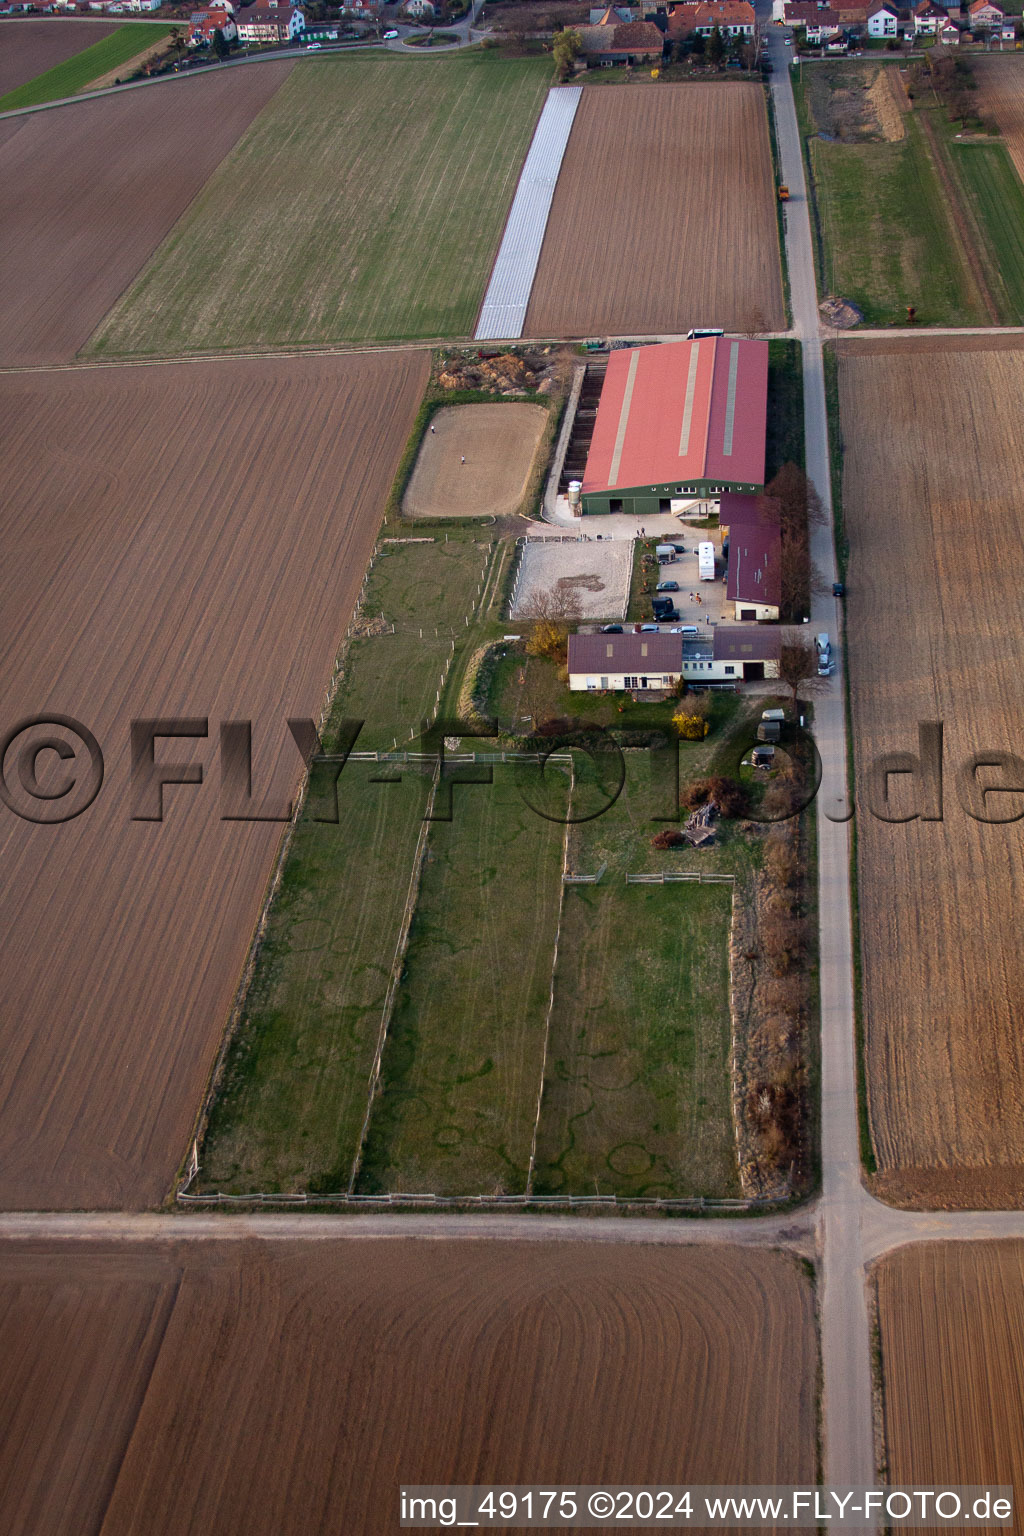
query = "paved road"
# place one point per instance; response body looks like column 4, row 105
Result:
column 845, row 1335
column 793, row 1230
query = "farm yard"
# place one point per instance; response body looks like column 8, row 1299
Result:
column 593, row 576
column 368, row 240
column 30, row 48
column 475, row 461
column 142, row 581
column 88, row 192
column 430, row 945
column 540, row 1361
column 93, row 65
column 934, row 626
column 663, row 217
column 951, row 1325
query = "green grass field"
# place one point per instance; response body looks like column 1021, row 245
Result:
column 426, row 591
column 365, row 203
column 993, row 193
column 85, row 67
column 462, row 1062
column 886, row 236
column 291, row 1108
column 637, row 1088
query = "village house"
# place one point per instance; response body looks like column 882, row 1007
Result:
column 819, row 22
column 883, row 22
column 929, row 18
column 612, row 41
column 203, row 24
column 733, row 18
column 983, row 16
column 271, row 23
column 420, row 9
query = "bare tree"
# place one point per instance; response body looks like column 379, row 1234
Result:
column 553, row 615
column 798, row 666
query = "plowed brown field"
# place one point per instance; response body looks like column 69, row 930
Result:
column 79, row 1336
column 88, row 192
column 663, row 217
column 181, row 540
column 1001, row 94
column 952, row 1331
column 299, row 1386
column 27, row 48
column 935, row 622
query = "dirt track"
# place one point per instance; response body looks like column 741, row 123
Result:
column 936, row 633
column 190, row 542
column 1001, row 94
column 28, row 48
column 498, row 444
column 952, row 1335
column 299, row 1386
column 88, row 192
column 663, row 217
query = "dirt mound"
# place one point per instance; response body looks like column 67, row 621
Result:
column 889, row 103
column 841, row 313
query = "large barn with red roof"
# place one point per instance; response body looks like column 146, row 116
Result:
column 680, row 420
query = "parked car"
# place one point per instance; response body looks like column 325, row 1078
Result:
column 648, row 629
column 824, row 649
column 667, row 586
column 611, row 629
column 313, row 47
column 838, row 589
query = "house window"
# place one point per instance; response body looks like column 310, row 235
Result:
column 632, row 682
column 729, row 671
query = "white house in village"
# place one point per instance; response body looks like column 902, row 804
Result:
column 883, row 22
column 984, row 16
column 929, row 18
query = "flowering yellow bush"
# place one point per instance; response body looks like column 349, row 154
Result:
column 690, row 727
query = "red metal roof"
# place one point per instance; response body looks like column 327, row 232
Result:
column 684, row 411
